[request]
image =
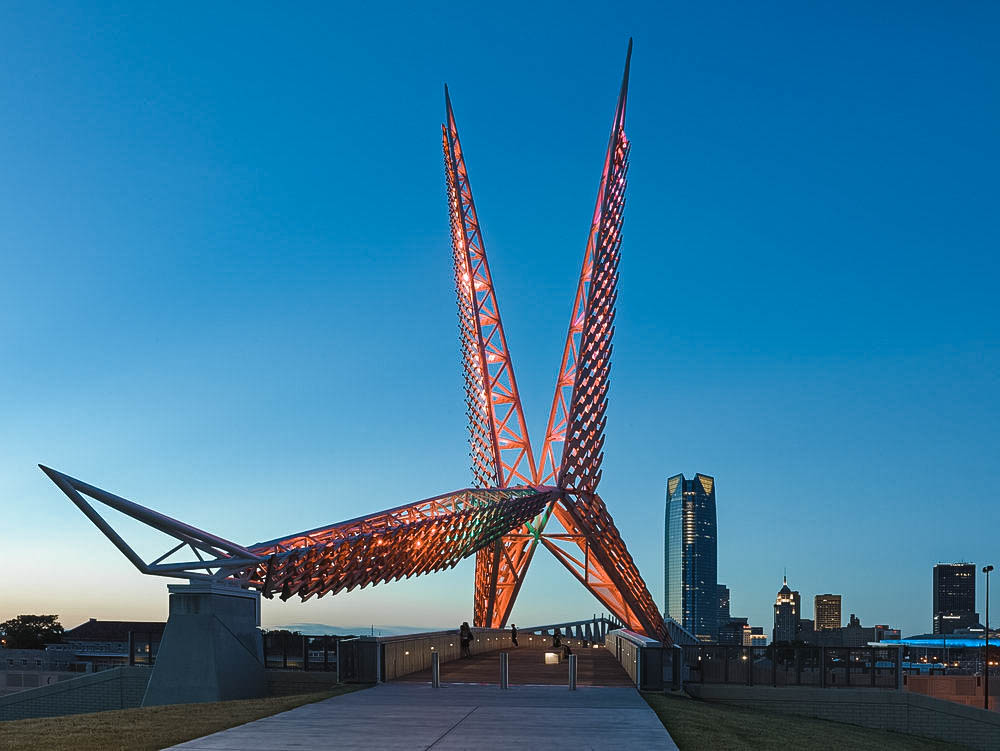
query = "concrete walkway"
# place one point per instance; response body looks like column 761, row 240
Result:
column 456, row 716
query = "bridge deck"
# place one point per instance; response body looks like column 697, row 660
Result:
column 399, row 716
column 594, row 667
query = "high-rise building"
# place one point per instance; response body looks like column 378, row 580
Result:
column 954, row 597
column 827, row 611
column 723, row 604
column 731, row 631
column 690, row 555
column 787, row 611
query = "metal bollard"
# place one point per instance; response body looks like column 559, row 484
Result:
column 435, row 670
column 572, row 672
column 504, row 670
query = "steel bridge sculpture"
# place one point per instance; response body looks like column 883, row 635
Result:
column 518, row 504
column 586, row 541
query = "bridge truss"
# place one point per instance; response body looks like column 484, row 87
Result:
column 409, row 540
column 518, row 505
column 575, row 525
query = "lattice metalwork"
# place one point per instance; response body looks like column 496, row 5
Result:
column 588, row 543
column 428, row 536
column 417, row 538
column 518, row 505
column 499, row 435
column 603, row 242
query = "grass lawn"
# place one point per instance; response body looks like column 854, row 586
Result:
column 147, row 727
column 696, row 725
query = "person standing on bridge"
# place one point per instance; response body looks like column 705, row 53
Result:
column 556, row 639
column 513, row 634
column 465, row 636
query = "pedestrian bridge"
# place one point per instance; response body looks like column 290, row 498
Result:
column 616, row 657
column 595, row 666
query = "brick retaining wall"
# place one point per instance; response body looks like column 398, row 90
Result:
column 962, row 689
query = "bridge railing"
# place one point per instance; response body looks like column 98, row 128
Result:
column 411, row 653
column 644, row 659
column 372, row 659
column 593, row 629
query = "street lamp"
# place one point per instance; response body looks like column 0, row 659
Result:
column 986, row 670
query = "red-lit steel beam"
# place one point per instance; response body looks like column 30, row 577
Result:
column 501, row 450
column 579, row 423
column 498, row 435
column 607, row 569
column 581, row 387
column 580, row 401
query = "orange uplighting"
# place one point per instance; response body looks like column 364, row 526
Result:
column 589, row 544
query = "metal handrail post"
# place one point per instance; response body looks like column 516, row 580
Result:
column 572, row 673
column 504, row 670
column 435, row 670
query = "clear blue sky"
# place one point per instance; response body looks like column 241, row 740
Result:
column 225, row 284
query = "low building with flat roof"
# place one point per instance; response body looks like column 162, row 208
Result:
column 105, row 644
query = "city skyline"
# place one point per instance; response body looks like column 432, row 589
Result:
column 203, row 267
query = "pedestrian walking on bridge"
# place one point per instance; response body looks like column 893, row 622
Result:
column 513, row 634
column 465, row 636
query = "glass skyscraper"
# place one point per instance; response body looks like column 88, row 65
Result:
column 690, row 555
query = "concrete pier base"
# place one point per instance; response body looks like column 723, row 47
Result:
column 211, row 648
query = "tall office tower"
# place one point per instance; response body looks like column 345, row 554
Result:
column 827, row 611
column 690, row 555
column 954, row 597
column 723, row 604
column 787, row 611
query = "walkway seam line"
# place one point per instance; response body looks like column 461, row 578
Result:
column 438, row 740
